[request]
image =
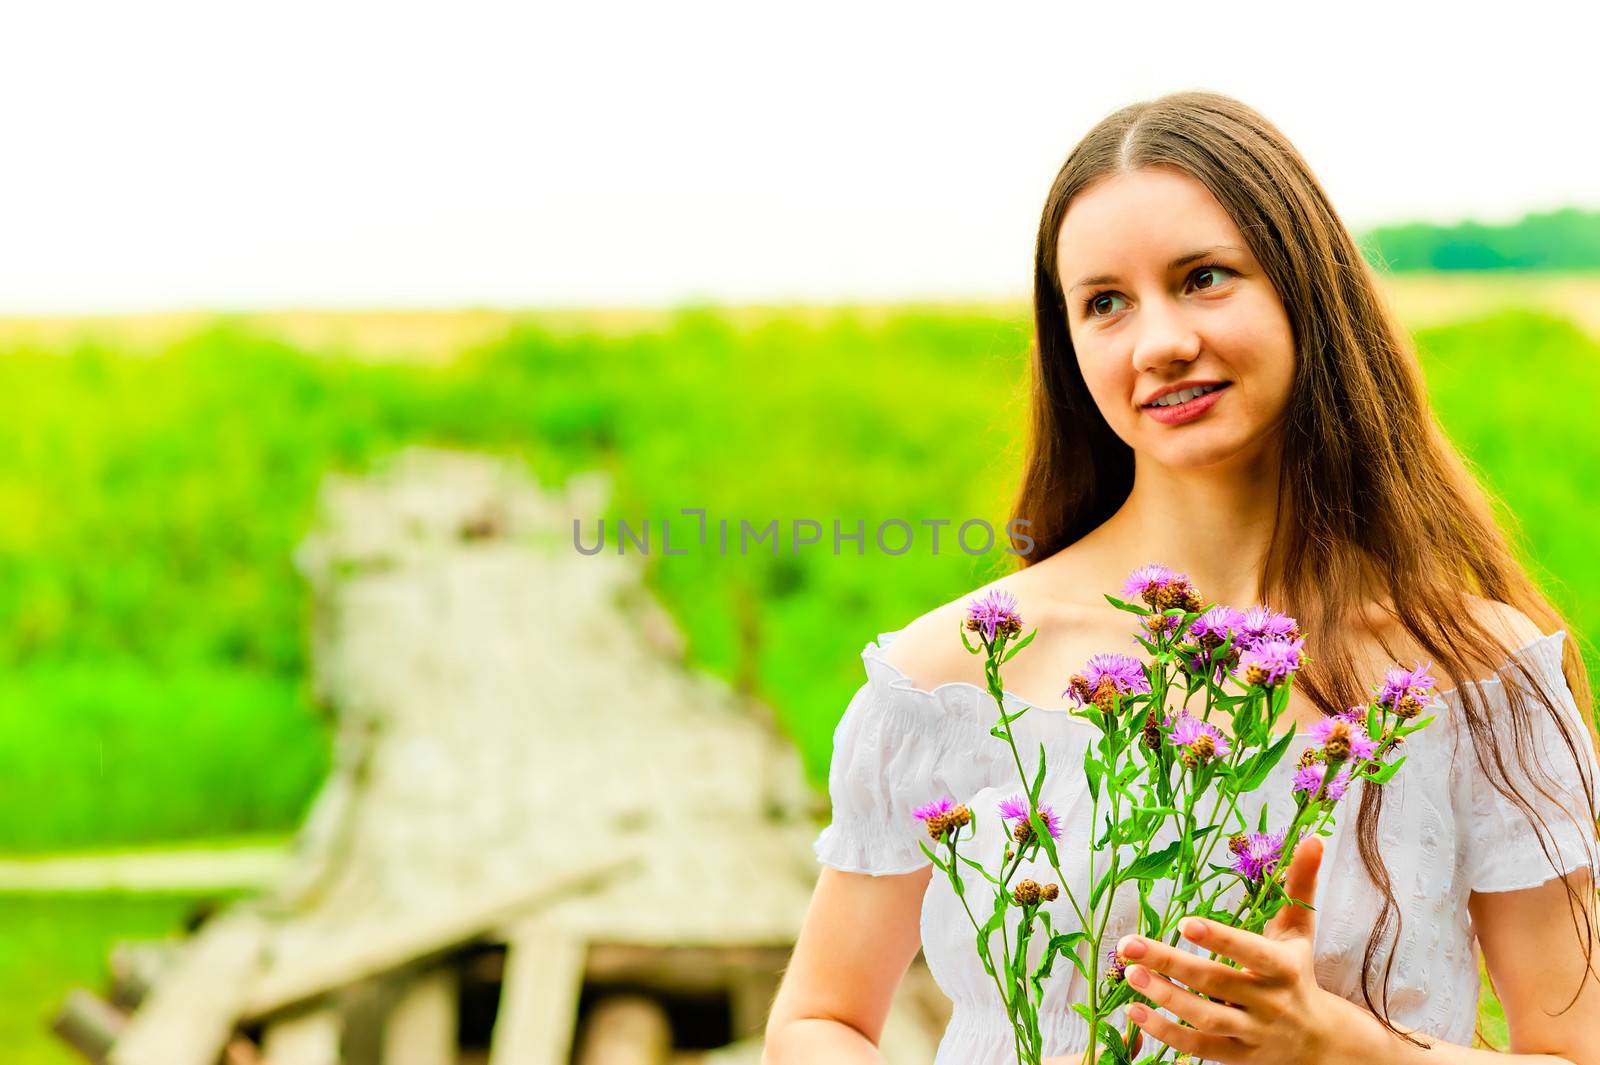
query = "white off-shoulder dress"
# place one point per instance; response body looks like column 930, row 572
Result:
column 1444, row 829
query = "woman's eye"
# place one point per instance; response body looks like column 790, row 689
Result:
column 1218, row 270
column 1097, row 305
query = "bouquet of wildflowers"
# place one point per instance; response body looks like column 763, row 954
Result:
column 1178, row 742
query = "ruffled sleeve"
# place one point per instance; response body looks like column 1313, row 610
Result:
column 1504, row 851
column 896, row 748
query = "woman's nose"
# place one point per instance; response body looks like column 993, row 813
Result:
column 1162, row 336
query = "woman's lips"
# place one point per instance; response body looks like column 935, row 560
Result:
column 1187, row 411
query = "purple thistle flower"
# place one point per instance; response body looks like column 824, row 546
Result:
column 1016, row 809
column 1212, row 628
column 1257, row 855
column 1259, row 624
column 1270, row 661
column 1149, row 579
column 1361, row 746
column 1188, row 728
column 1309, row 778
column 995, row 610
column 1116, row 968
column 1408, row 691
column 937, row 808
column 1125, row 673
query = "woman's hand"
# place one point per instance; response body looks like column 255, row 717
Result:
column 1269, row 1011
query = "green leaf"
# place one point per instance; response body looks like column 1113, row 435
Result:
column 963, row 631
column 1417, row 725
column 1384, row 775
column 1100, row 886
column 986, row 874
column 1259, row 765
column 1092, row 771
column 1280, row 699
column 1038, row 778
column 1129, row 607
column 1019, row 645
column 1152, row 919
column 1115, row 1047
column 1154, row 865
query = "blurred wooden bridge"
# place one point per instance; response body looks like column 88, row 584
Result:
column 545, row 839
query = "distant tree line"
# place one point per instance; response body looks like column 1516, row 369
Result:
column 1568, row 239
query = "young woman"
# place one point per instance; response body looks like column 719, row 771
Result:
column 1185, row 245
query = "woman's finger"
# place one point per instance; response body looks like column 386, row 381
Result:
column 1186, row 1040
column 1256, row 953
column 1193, row 971
column 1212, row 1017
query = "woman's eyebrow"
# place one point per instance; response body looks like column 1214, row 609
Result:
column 1182, row 260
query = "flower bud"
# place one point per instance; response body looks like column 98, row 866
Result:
column 1200, row 749
column 1051, row 892
column 1337, row 746
column 1172, row 593
column 1028, row 893
column 1105, row 696
column 1152, row 731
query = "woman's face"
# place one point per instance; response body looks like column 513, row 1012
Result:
column 1162, row 290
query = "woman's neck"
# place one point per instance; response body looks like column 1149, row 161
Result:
column 1212, row 523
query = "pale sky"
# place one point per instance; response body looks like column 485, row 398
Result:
column 228, row 156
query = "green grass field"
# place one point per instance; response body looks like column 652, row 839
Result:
column 49, row 944
column 152, row 664
column 154, row 656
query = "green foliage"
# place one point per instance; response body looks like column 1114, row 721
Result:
column 153, row 654
column 49, row 944
column 1568, row 239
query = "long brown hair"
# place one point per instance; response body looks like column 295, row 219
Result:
column 1373, row 500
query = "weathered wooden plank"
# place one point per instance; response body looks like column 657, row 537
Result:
column 544, row 970
column 188, row 1017
column 625, row 1030
column 421, row 1026
column 308, row 1038
column 89, row 1024
column 354, row 953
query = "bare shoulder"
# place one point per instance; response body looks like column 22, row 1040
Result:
column 1510, row 626
column 930, row 650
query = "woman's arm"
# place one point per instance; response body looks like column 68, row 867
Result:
column 1533, row 946
column 860, row 934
